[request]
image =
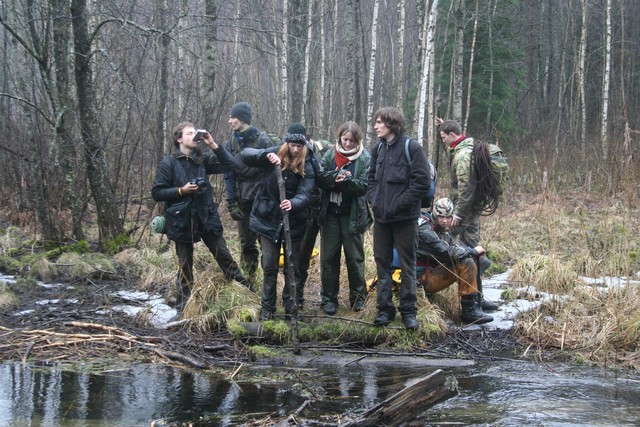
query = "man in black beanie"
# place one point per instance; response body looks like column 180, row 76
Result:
column 243, row 181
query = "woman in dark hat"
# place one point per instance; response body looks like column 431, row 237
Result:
column 267, row 213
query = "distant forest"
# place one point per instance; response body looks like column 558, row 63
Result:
column 91, row 89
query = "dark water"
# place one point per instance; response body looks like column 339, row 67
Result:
column 504, row 393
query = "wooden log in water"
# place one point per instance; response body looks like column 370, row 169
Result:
column 421, row 394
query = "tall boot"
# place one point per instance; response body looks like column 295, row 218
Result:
column 471, row 311
column 484, row 303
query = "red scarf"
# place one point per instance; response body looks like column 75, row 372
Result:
column 341, row 160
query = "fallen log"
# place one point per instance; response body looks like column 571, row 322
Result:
column 421, row 394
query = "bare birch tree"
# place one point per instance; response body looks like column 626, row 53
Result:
column 458, row 56
column 471, row 57
column 582, row 62
column 426, row 70
column 372, row 72
column 606, row 77
column 307, row 62
column 400, row 74
column 284, row 61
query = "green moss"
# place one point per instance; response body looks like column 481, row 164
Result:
column 236, row 329
column 509, row 294
column 260, row 351
column 116, row 245
column 278, row 330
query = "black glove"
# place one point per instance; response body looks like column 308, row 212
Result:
column 235, row 211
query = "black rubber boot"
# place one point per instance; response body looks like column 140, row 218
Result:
column 471, row 311
column 484, row 303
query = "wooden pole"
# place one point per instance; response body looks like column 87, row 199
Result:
column 288, row 259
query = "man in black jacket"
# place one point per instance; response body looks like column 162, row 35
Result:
column 441, row 262
column 399, row 176
column 191, row 213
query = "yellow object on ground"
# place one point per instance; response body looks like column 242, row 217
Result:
column 314, row 253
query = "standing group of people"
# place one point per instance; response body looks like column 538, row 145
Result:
column 329, row 188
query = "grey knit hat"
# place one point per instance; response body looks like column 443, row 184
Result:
column 297, row 128
column 242, row 111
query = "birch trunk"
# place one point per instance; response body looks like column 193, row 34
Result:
column 322, row 116
column 236, row 51
column 581, row 78
column 372, row 72
column 606, row 77
column 400, row 74
column 426, row 69
column 471, row 56
column 284, row 61
column 307, row 63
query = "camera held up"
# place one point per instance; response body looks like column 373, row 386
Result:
column 200, row 182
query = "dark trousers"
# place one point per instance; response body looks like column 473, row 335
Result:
column 218, row 247
column 335, row 238
column 403, row 235
column 270, row 267
column 249, row 255
column 303, row 257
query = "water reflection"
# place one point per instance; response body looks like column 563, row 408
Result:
column 505, row 393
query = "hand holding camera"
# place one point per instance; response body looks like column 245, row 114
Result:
column 196, row 185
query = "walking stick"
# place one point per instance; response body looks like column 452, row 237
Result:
column 288, row 257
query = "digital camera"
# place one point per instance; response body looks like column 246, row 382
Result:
column 200, row 182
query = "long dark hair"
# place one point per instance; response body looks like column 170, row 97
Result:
column 487, row 192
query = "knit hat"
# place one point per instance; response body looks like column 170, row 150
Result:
column 295, row 138
column 297, row 128
column 242, row 111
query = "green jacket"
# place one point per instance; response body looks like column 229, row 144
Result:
column 359, row 217
column 463, row 182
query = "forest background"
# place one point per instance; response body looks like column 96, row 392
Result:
column 89, row 91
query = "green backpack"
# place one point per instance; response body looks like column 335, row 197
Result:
column 500, row 167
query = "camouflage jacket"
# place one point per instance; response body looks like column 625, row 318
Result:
column 463, row 181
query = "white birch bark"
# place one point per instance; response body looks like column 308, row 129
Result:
column 606, row 79
column 581, row 77
column 236, row 53
column 458, row 62
column 307, row 62
column 400, row 74
column 283, row 61
column 322, row 118
column 372, row 71
column 428, row 51
column 471, row 56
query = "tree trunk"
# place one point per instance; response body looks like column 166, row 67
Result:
column 307, row 66
column 372, row 72
column 109, row 222
column 400, row 74
column 426, row 71
column 458, row 57
column 582, row 78
column 606, row 77
column 323, row 119
column 471, row 56
column 284, row 64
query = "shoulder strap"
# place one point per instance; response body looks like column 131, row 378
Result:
column 406, row 150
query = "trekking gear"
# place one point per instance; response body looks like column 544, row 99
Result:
column 427, row 200
column 178, row 222
column 273, row 137
column 443, row 207
column 158, row 225
column 471, row 312
column 492, row 173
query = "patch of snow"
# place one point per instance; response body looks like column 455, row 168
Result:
column 57, row 301
column 9, row 280
column 54, row 285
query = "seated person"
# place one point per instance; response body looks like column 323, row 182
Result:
column 441, row 262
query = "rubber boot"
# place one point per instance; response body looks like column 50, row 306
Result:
column 484, row 303
column 471, row 311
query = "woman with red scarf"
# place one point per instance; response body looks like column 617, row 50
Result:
column 344, row 216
